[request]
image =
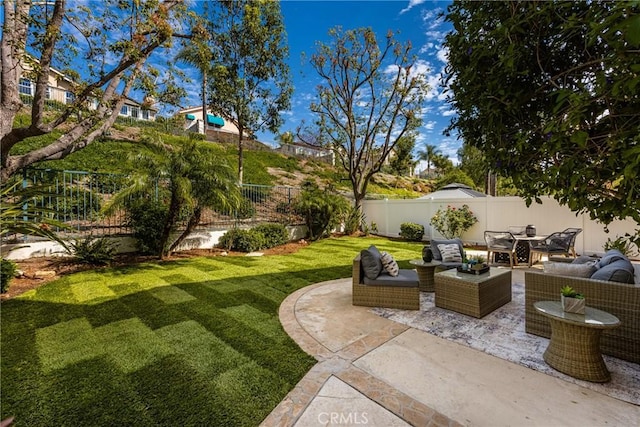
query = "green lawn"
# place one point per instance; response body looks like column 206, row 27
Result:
column 189, row 342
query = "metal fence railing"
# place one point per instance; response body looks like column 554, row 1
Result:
column 76, row 198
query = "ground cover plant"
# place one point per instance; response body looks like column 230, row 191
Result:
column 188, row 342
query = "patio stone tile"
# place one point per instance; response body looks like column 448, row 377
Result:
column 398, row 369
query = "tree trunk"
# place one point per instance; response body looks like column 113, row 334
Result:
column 240, row 155
column 172, row 217
column 204, row 100
column 491, row 184
column 194, row 220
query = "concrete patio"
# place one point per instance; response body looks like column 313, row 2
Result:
column 373, row 371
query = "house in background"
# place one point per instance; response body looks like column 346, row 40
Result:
column 138, row 111
column 300, row 149
column 60, row 90
column 194, row 122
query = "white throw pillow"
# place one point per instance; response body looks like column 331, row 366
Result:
column 389, row 264
column 567, row 269
column 450, row 253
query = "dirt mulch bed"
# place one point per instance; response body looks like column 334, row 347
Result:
column 38, row 271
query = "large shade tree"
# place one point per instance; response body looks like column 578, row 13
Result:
column 369, row 99
column 250, row 83
column 104, row 47
column 550, row 92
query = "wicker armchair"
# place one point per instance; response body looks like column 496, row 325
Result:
column 559, row 243
column 501, row 242
column 395, row 296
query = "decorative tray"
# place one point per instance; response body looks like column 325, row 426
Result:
column 474, row 272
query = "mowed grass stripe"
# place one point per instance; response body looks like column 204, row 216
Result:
column 187, row 342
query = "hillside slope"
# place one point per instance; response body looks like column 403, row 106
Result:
column 116, row 153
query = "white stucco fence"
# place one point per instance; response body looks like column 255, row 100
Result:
column 497, row 214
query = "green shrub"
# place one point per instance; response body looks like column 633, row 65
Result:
column 354, row 220
column 411, row 231
column 92, row 250
column 623, row 244
column 146, row 218
column 273, row 234
column 322, row 210
column 7, row 272
column 242, row 240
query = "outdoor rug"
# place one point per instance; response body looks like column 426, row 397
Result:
column 501, row 334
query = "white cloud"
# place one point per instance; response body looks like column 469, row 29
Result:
column 443, row 54
column 412, row 4
column 448, row 113
column 426, row 47
column 430, row 125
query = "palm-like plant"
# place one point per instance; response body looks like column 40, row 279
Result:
column 188, row 179
column 428, row 154
column 20, row 214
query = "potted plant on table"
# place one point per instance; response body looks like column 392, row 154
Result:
column 572, row 301
column 478, row 262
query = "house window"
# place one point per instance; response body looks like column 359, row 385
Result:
column 70, row 97
column 25, row 87
column 135, row 112
column 145, row 114
column 124, row 110
column 48, row 94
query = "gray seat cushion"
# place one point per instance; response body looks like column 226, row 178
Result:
column 405, row 278
column 620, row 271
column 370, row 262
column 610, row 257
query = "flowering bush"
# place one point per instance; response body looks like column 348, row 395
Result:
column 452, row 222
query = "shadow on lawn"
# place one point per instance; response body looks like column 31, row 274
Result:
column 192, row 353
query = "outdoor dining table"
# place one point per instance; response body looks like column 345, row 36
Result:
column 522, row 249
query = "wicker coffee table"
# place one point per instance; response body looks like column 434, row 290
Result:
column 473, row 295
column 574, row 348
column 425, row 272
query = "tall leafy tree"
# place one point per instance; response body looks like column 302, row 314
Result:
column 430, row 151
column 250, row 83
column 474, row 164
column 188, row 179
column 197, row 52
column 549, row 91
column 369, row 100
column 72, row 38
column 402, row 162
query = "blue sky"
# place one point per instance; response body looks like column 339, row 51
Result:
column 307, row 22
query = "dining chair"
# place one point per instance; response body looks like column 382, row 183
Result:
column 558, row 243
column 501, row 242
column 572, row 246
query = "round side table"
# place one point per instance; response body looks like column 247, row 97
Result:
column 574, row 348
column 425, row 272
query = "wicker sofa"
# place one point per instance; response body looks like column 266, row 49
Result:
column 619, row 299
column 401, row 291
